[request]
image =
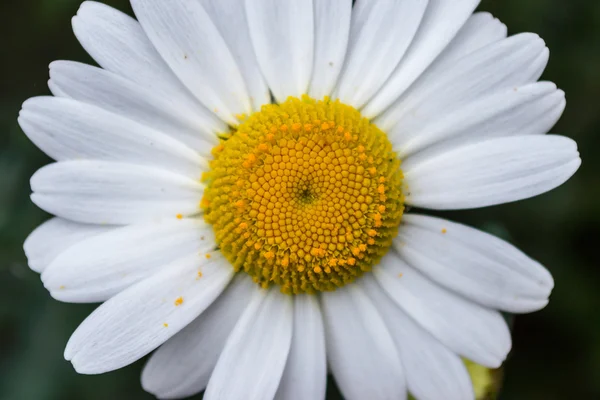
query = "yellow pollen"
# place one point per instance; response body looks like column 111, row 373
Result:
column 263, row 146
column 305, row 195
column 444, row 231
column 178, row 301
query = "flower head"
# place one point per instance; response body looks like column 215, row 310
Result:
column 232, row 184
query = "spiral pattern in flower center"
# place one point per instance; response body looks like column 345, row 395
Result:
column 305, row 194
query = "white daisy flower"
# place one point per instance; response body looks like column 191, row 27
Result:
column 232, row 182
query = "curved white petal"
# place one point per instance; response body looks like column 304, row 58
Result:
column 380, row 35
column 475, row 264
column 332, row 29
column 433, row 372
column 54, row 89
column 182, row 366
column 479, row 31
column 53, row 237
column 98, row 268
column 502, row 65
column 141, row 318
column 113, row 193
column 252, row 362
column 282, row 33
column 441, row 22
column 188, row 41
column 117, row 42
column 121, row 96
column 229, row 16
column 361, row 353
column 491, row 172
column 472, row 331
column 66, row 129
column 526, row 110
column 305, row 374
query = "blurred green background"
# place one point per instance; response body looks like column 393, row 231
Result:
column 556, row 352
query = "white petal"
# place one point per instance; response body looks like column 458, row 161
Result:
column 380, row 34
column 182, row 366
column 191, row 45
column 433, row 372
column 121, row 96
column 53, row 237
column 361, row 353
column 503, row 65
column 96, row 269
column 54, row 89
column 66, row 129
column 526, row 110
column 305, row 374
column 479, row 31
column 492, row 172
column 138, row 320
column 252, row 362
column 332, row 29
column 113, row 193
column 229, row 16
column 475, row 264
column 470, row 330
column 441, row 22
column 282, row 33
column 117, row 42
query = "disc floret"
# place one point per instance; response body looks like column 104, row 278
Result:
column 305, row 195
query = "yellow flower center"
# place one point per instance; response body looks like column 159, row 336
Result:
column 305, row 194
